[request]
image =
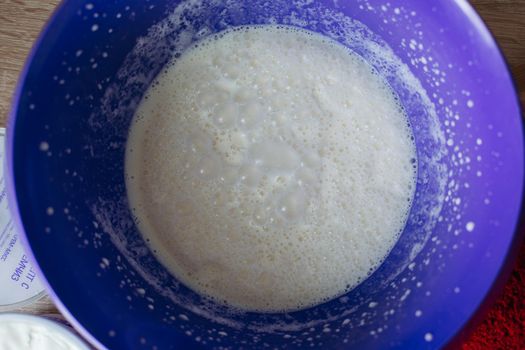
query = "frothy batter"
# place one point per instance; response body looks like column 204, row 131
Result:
column 270, row 168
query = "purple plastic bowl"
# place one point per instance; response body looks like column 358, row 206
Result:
column 66, row 142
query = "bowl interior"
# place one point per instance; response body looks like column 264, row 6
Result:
column 66, row 146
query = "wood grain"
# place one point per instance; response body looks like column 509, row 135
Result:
column 44, row 306
column 21, row 21
column 506, row 20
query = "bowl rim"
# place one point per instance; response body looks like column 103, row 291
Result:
column 495, row 291
column 10, row 181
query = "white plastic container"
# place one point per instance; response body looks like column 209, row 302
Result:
column 28, row 332
column 19, row 283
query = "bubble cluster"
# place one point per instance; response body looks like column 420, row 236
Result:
column 270, row 168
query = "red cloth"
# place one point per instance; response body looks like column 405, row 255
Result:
column 504, row 325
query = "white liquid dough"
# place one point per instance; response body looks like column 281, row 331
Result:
column 270, row 168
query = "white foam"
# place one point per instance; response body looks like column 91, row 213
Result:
column 270, row 168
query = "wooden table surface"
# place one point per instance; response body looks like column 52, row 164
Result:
column 21, row 21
